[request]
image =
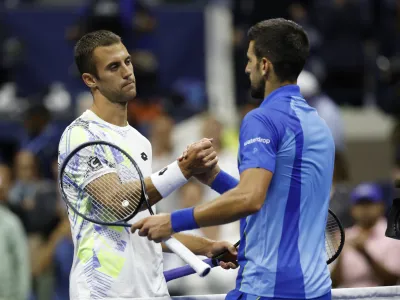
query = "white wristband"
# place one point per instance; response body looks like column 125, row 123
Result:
column 168, row 179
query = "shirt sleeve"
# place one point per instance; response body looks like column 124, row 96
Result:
column 259, row 142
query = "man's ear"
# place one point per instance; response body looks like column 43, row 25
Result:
column 89, row 80
column 265, row 66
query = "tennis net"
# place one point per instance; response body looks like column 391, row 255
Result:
column 376, row 293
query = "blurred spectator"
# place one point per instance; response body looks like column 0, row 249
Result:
column 57, row 254
column 42, row 136
column 142, row 112
column 187, row 98
column 161, row 141
column 368, row 258
column 325, row 106
column 14, row 268
column 35, row 199
column 344, row 27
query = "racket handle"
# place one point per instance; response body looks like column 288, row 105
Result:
column 184, row 271
column 188, row 256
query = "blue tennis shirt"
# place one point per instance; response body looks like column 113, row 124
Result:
column 282, row 250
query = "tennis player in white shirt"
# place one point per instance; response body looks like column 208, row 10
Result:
column 109, row 262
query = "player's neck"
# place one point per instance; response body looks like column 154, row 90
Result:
column 274, row 85
column 113, row 113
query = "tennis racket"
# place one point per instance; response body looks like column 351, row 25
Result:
column 103, row 184
column 334, row 243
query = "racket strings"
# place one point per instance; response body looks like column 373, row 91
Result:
column 333, row 237
column 114, row 191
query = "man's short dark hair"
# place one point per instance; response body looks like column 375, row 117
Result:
column 282, row 42
column 85, row 47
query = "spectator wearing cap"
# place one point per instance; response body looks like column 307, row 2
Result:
column 369, row 258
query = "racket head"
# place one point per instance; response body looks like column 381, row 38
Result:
column 334, row 237
column 102, row 160
column 333, row 247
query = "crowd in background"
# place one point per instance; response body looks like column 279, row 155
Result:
column 355, row 54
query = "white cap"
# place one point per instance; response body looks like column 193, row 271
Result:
column 308, row 83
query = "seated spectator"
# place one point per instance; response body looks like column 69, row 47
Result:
column 369, row 258
column 14, row 268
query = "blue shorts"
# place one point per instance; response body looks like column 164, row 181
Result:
column 238, row 295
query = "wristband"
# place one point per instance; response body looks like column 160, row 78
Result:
column 224, row 182
column 183, row 219
column 168, row 179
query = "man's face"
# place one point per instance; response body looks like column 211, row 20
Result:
column 115, row 79
column 25, row 166
column 253, row 69
column 367, row 213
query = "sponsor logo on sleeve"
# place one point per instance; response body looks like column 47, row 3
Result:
column 257, row 140
column 94, row 164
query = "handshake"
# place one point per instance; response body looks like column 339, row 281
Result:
column 200, row 160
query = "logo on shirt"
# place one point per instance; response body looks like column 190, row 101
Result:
column 144, row 156
column 257, row 140
column 94, row 163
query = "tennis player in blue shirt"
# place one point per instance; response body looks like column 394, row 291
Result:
column 285, row 160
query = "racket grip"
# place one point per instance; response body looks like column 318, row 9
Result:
column 188, row 256
column 184, row 271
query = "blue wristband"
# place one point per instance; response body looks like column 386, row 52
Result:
column 183, row 219
column 224, row 182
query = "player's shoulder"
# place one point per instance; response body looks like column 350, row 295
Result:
column 138, row 138
column 264, row 115
column 77, row 132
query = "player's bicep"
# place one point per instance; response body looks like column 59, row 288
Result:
column 254, row 182
column 259, row 140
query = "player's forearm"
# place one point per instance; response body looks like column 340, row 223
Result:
column 198, row 245
column 237, row 203
column 230, row 207
column 152, row 192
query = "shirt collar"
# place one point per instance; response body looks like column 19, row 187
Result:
column 289, row 90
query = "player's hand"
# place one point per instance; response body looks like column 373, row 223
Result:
column 229, row 260
column 156, row 228
column 198, row 158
